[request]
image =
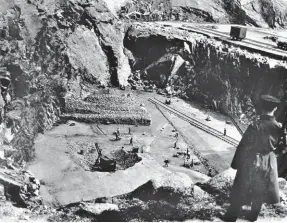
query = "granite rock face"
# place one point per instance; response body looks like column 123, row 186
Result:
column 49, row 49
column 260, row 13
column 203, row 69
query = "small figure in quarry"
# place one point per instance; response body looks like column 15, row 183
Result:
column 224, row 132
column 187, row 154
column 175, row 145
column 256, row 180
column 209, row 173
column 166, row 162
column 117, row 135
column 191, row 163
column 99, row 153
column 2, row 108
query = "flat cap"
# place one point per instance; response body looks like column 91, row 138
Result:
column 269, row 98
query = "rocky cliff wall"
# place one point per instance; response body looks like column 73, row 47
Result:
column 261, row 13
column 222, row 76
column 49, row 49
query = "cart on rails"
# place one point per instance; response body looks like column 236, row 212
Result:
column 238, row 33
column 282, row 43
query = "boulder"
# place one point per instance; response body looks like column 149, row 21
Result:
column 8, row 151
column 8, row 135
column 98, row 208
column 12, row 188
column 85, row 52
column 2, row 192
column 199, row 195
column 283, row 190
column 169, row 187
column 177, row 181
column 282, row 184
column 2, row 156
column 173, row 188
column 221, row 184
column 178, row 61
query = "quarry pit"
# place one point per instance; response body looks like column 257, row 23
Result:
column 61, row 144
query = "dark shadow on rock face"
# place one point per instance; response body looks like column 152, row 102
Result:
column 113, row 63
column 144, row 49
column 19, row 82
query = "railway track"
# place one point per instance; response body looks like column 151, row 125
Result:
column 248, row 41
column 236, row 125
column 101, row 131
column 196, row 123
column 227, row 37
column 263, row 48
column 252, row 41
column 206, row 162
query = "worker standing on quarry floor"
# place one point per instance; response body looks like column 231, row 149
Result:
column 224, row 132
column 256, row 180
column 175, row 144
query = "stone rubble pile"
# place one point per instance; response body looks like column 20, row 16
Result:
column 7, row 161
column 135, row 80
column 283, row 190
column 2, row 193
column 30, row 191
column 18, row 185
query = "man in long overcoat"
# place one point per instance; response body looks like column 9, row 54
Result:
column 256, row 180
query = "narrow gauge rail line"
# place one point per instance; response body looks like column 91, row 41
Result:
column 277, row 52
column 204, row 161
column 271, row 49
column 236, row 125
column 246, row 40
column 196, row 123
column 101, row 131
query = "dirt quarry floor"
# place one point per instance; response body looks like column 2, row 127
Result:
column 65, row 176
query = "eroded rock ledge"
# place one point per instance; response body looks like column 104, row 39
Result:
column 203, row 69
